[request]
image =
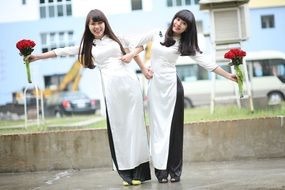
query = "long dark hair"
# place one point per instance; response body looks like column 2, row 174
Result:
column 189, row 40
column 85, row 55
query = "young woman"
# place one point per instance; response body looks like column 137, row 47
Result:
column 123, row 98
column 166, row 96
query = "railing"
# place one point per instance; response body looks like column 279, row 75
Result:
column 39, row 93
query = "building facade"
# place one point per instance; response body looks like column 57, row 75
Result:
column 58, row 23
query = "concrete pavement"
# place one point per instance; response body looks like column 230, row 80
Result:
column 265, row 174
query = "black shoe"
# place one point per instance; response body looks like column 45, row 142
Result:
column 161, row 175
column 163, row 180
column 174, row 179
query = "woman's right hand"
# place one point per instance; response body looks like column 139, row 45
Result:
column 31, row 58
column 127, row 58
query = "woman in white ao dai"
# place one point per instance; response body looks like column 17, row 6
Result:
column 123, row 97
column 165, row 93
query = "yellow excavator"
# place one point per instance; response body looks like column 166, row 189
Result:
column 70, row 82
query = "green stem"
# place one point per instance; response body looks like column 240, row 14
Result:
column 240, row 77
column 27, row 63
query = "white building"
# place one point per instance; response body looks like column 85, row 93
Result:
column 57, row 23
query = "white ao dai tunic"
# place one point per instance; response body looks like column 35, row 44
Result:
column 124, row 102
column 162, row 93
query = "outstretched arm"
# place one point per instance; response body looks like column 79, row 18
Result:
column 206, row 62
column 71, row 50
column 45, row 55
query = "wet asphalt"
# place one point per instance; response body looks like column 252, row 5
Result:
column 263, row 174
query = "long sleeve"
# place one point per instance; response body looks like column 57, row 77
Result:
column 72, row 50
column 144, row 39
column 124, row 41
column 204, row 61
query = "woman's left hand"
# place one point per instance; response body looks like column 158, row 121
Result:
column 127, row 57
column 232, row 77
column 148, row 73
column 220, row 71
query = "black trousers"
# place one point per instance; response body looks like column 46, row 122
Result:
column 175, row 155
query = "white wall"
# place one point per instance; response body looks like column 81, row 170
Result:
column 14, row 11
column 82, row 7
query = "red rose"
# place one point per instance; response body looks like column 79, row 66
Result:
column 26, row 47
column 242, row 53
column 229, row 55
column 236, row 55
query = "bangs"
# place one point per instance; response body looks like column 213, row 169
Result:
column 97, row 18
column 185, row 16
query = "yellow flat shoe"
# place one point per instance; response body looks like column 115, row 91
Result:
column 126, row 183
column 136, row 182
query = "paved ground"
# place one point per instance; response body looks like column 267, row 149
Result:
column 268, row 174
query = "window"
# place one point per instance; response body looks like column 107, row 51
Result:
column 43, row 12
column 53, row 40
column 68, row 10
column 51, row 81
column 55, row 8
column 267, row 21
column 70, row 38
column 187, row 2
column 51, row 11
column 169, row 3
column 199, row 26
column 172, row 3
column 192, row 72
column 136, row 5
column 61, row 39
column 59, row 10
column 178, row 2
column 268, row 67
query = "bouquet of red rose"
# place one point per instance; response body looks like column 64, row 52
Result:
column 236, row 55
column 26, row 47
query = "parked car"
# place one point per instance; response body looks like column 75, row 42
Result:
column 68, row 103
